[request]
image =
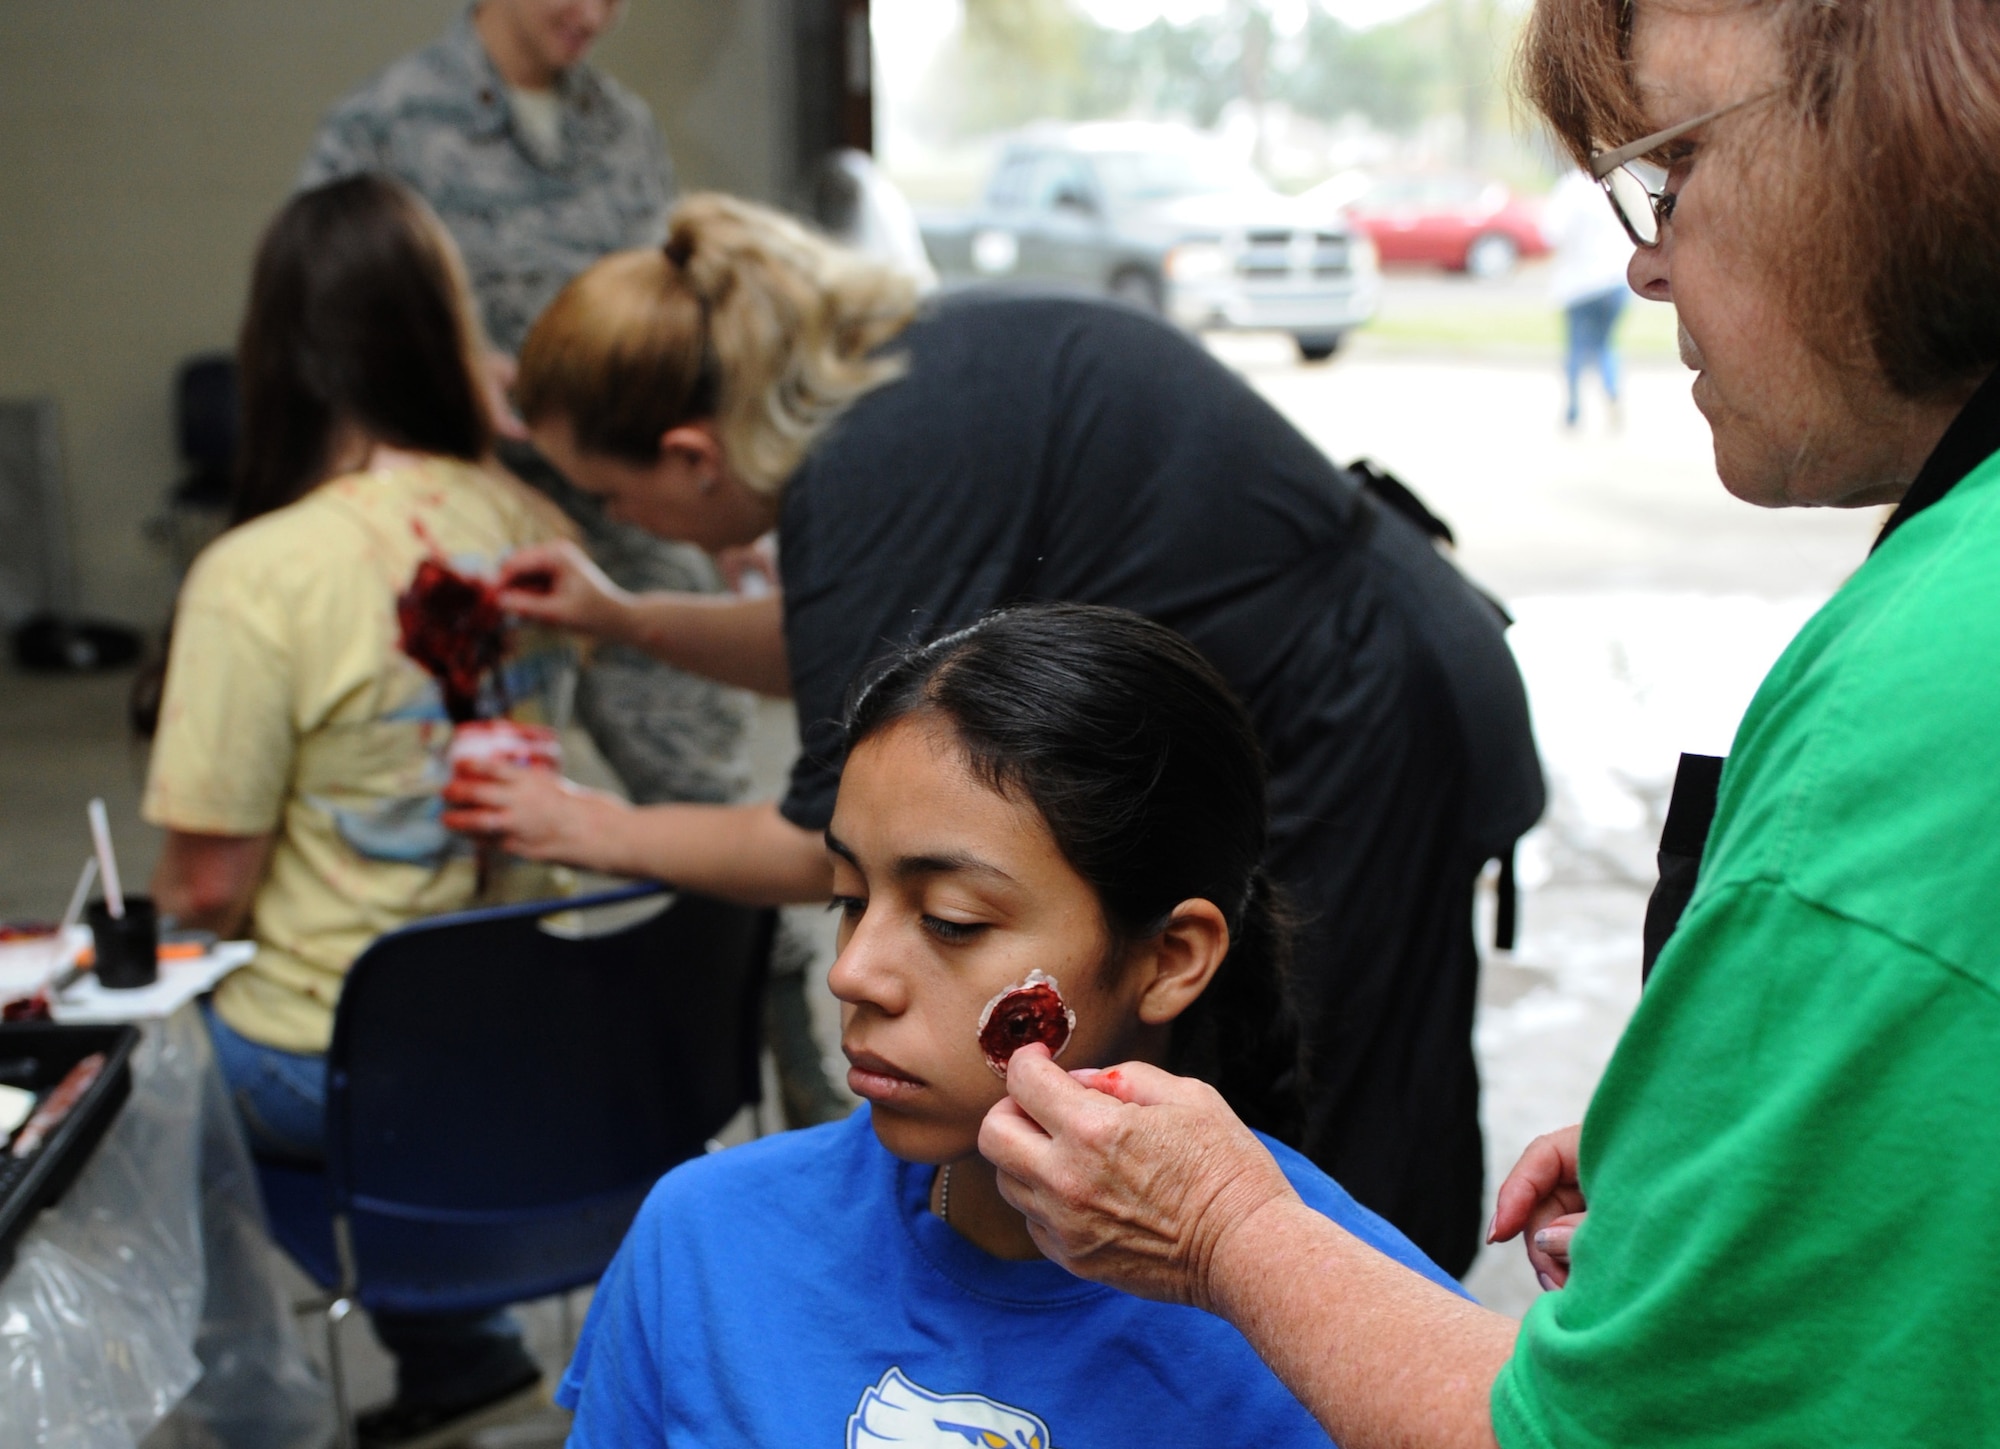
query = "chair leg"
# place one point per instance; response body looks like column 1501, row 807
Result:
column 343, row 1433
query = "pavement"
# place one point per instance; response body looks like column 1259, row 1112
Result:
column 1648, row 603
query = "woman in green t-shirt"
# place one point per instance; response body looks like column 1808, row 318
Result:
column 1792, row 1164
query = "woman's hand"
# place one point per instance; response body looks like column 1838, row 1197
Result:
column 556, row 583
column 1541, row 1197
column 1150, row 1184
column 1131, row 1176
column 535, row 814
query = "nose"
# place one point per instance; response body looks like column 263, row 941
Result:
column 865, row 973
column 1650, row 270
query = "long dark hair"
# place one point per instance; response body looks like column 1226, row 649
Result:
column 358, row 314
column 1147, row 771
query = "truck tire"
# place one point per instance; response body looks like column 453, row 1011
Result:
column 1492, row 255
column 1318, row 346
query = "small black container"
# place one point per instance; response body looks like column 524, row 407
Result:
column 40, row 1054
column 128, row 949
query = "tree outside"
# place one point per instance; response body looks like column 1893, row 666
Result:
column 1299, row 86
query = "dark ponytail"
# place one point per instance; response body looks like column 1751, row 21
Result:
column 1147, row 772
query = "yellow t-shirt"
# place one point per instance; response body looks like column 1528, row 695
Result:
column 290, row 708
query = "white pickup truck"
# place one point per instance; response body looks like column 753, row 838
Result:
column 1160, row 216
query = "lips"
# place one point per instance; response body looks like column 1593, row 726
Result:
column 877, row 1079
column 1690, row 353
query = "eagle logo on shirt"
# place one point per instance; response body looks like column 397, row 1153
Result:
column 896, row 1410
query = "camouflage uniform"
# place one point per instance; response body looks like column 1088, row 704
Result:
column 441, row 120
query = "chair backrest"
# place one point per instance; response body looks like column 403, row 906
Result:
column 502, row 1093
column 207, row 414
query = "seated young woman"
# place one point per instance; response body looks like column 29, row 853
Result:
column 1064, row 789
column 301, row 744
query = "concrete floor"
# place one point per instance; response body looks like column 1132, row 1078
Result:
column 1649, row 602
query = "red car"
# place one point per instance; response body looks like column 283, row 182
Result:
column 1461, row 223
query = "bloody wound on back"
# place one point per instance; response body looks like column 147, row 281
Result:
column 453, row 626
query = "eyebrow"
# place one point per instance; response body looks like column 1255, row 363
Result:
column 944, row 862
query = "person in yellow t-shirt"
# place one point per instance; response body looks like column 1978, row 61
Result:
column 300, row 752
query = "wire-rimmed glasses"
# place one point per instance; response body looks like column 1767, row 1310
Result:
column 1637, row 188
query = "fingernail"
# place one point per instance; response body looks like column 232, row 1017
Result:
column 1493, row 1225
column 1554, row 1241
column 1549, row 1285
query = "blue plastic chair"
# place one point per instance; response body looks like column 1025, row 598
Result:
column 503, row 1091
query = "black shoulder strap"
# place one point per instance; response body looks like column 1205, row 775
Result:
column 1396, row 495
column 1683, row 839
column 1972, row 438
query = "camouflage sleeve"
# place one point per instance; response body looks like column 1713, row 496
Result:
column 658, row 163
column 663, row 161
column 350, row 141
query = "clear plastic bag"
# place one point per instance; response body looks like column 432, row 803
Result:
column 152, row 1283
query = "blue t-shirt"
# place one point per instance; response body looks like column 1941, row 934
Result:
column 799, row 1291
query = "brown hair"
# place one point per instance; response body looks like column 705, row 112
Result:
column 359, row 314
column 743, row 318
column 1882, row 167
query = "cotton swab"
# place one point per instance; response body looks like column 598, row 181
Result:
column 107, row 860
column 85, row 879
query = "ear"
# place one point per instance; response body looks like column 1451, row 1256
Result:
column 1184, row 959
column 694, row 444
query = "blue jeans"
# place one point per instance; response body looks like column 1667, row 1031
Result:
column 281, row 1097
column 1589, row 324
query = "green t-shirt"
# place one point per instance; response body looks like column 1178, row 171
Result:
column 1793, row 1160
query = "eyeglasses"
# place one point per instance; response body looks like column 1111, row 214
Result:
column 1638, row 188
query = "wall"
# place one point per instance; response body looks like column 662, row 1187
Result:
column 144, row 143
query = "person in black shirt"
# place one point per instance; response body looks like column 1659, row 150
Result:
column 924, row 468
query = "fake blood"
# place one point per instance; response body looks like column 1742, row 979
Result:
column 1030, row 1012
column 453, row 626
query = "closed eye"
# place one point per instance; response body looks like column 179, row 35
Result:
column 953, row 933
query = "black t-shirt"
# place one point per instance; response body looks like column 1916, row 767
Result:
column 1059, row 448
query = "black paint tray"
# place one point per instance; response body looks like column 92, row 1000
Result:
column 41, row 1054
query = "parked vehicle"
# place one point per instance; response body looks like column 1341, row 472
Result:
column 1459, row 222
column 1159, row 216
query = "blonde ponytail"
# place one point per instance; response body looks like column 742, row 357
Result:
column 743, row 316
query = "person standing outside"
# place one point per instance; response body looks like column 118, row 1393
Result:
column 1587, row 281
column 539, row 164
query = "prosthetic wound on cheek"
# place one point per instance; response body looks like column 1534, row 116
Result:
column 1032, row 1011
